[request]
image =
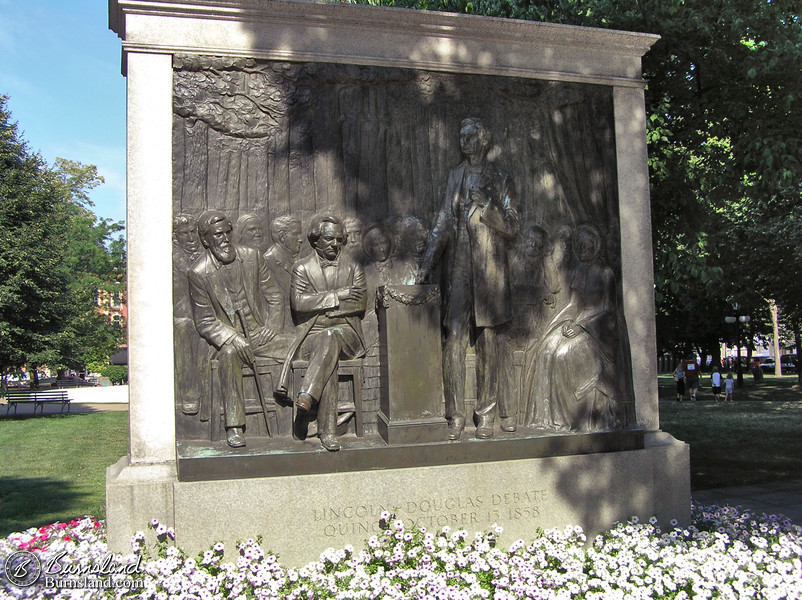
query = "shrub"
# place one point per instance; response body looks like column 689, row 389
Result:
column 117, row 373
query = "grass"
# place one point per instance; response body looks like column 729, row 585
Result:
column 53, row 467
column 755, row 439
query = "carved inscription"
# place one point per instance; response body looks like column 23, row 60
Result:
column 477, row 511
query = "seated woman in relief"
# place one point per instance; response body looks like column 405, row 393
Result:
column 570, row 382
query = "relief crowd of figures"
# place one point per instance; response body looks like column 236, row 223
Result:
column 509, row 290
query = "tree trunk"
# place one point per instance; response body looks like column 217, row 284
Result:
column 797, row 342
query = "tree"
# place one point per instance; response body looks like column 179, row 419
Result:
column 54, row 257
column 35, row 302
column 95, row 256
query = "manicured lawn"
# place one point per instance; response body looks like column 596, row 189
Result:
column 756, row 438
column 53, row 467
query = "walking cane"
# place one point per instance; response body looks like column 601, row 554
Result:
column 255, row 375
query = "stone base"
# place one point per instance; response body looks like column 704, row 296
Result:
column 135, row 494
column 299, row 517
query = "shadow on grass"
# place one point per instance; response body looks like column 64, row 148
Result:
column 33, row 502
column 26, row 411
column 753, row 440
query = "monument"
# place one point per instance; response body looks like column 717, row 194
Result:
column 454, row 320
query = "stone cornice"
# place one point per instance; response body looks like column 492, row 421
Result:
column 333, row 32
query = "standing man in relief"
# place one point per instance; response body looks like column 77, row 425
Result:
column 188, row 345
column 249, row 231
column 281, row 256
column 476, row 222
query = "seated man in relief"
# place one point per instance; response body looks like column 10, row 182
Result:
column 237, row 309
column 328, row 299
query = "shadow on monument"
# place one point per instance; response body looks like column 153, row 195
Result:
column 578, row 484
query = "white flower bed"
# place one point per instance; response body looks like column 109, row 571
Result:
column 726, row 553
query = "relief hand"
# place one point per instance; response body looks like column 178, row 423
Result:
column 243, row 349
column 478, row 196
column 352, row 293
column 263, row 336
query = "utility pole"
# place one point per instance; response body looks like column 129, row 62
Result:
column 775, row 314
column 738, row 319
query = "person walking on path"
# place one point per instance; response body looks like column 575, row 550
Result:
column 729, row 387
column 715, row 379
column 691, row 369
column 679, row 377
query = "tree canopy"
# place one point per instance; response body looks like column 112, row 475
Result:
column 56, row 256
column 724, row 109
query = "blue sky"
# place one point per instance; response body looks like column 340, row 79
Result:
column 60, row 68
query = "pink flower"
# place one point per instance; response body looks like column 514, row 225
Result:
column 67, row 538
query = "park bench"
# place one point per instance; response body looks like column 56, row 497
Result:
column 38, row 398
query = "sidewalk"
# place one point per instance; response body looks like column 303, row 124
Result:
column 114, row 394
column 55, row 409
column 781, row 497
column 82, row 400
